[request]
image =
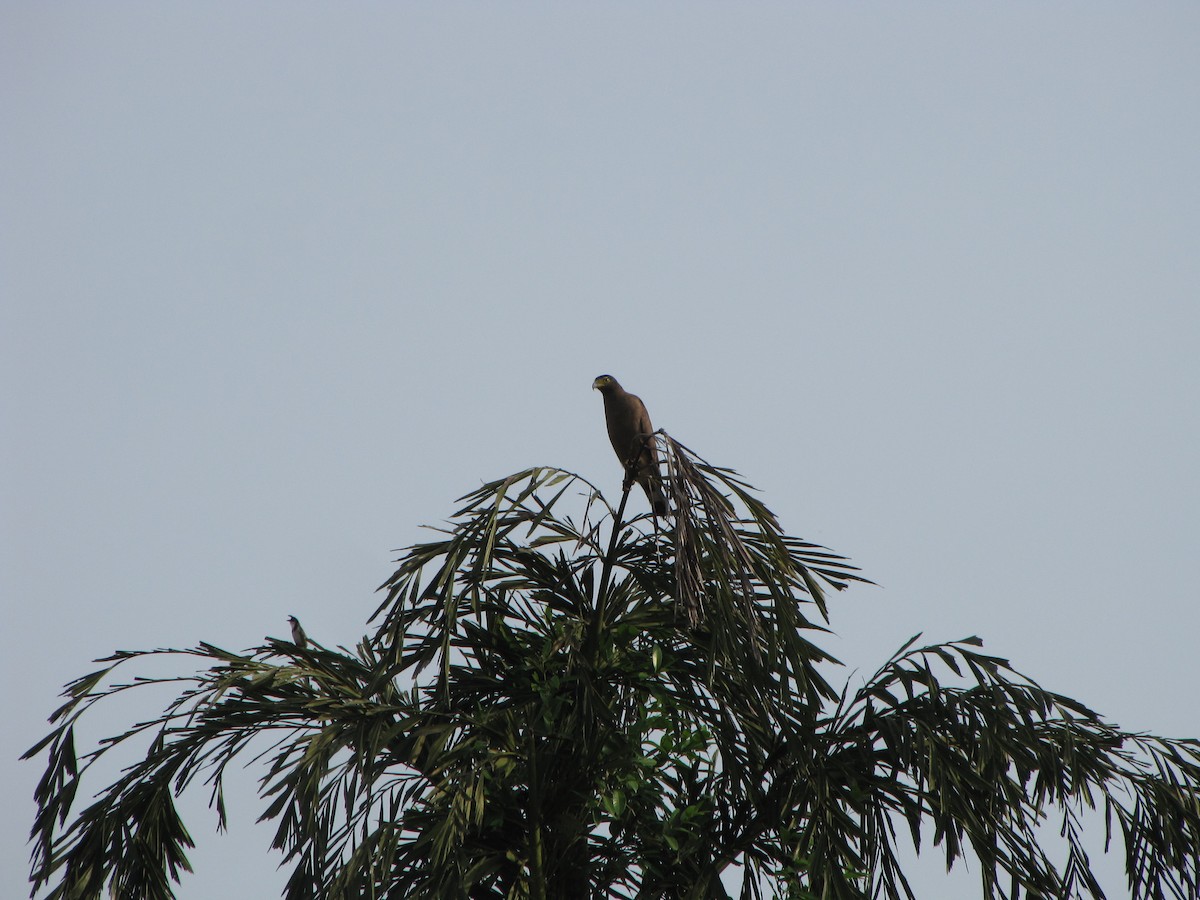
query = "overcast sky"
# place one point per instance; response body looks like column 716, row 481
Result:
column 281, row 281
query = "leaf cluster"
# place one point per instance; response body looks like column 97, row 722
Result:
column 560, row 701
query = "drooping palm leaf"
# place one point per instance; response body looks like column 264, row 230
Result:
column 557, row 700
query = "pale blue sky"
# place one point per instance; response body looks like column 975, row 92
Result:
column 281, row 281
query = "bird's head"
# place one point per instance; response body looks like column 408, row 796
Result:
column 293, row 620
column 604, row 383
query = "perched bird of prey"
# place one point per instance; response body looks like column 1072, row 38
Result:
column 299, row 638
column 632, row 438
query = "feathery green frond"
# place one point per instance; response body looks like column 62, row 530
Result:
column 559, row 701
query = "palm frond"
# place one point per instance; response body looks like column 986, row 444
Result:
column 560, row 700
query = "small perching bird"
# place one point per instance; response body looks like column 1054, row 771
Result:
column 299, row 638
column 632, row 438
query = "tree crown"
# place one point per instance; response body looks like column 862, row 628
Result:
column 557, row 700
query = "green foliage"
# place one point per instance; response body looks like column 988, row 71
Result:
column 559, row 702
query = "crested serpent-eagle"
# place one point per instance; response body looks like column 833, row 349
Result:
column 632, row 438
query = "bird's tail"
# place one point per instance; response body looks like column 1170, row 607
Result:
column 658, row 500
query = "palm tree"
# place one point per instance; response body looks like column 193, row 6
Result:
column 558, row 701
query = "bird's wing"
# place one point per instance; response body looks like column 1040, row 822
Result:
column 643, row 426
column 641, row 418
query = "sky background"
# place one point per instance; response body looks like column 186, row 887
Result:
column 281, row 281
